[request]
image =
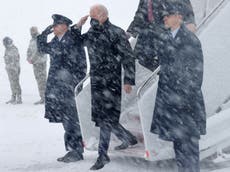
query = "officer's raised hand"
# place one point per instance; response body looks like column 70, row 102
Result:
column 48, row 30
column 82, row 21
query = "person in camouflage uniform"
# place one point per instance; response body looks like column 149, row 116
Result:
column 12, row 59
column 39, row 64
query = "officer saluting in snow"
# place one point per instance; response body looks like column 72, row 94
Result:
column 67, row 69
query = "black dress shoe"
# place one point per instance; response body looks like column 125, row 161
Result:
column 72, row 156
column 125, row 145
column 102, row 160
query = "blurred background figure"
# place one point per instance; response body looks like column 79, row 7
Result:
column 148, row 19
column 38, row 60
column 12, row 63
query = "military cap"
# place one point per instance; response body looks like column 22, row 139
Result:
column 171, row 7
column 60, row 19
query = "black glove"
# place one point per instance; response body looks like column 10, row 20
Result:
column 48, row 30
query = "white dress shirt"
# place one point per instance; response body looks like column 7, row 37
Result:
column 174, row 32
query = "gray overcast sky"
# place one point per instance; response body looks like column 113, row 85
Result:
column 18, row 16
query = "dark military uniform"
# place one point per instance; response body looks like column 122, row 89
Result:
column 67, row 69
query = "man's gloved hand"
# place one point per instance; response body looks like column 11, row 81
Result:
column 48, row 30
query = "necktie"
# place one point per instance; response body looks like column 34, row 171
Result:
column 150, row 11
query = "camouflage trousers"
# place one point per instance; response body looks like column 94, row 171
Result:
column 13, row 75
column 40, row 74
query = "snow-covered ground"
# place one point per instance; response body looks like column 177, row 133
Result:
column 223, row 170
column 28, row 143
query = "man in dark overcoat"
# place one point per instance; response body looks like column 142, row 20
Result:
column 179, row 114
column 147, row 16
column 67, row 69
column 109, row 52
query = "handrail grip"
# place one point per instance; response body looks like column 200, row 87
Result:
column 80, row 84
column 147, row 81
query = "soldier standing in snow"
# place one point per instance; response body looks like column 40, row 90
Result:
column 12, row 62
column 38, row 61
column 67, row 69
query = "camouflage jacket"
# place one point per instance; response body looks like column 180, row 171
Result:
column 12, row 58
column 33, row 55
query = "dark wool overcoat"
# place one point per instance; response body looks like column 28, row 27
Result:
column 179, row 108
column 67, row 69
column 109, row 52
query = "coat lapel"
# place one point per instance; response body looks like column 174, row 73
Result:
column 180, row 37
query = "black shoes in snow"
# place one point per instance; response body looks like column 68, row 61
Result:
column 125, row 145
column 102, row 160
column 72, row 156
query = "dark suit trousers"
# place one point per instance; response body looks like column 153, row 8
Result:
column 105, row 133
column 187, row 155
column 72, row 136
